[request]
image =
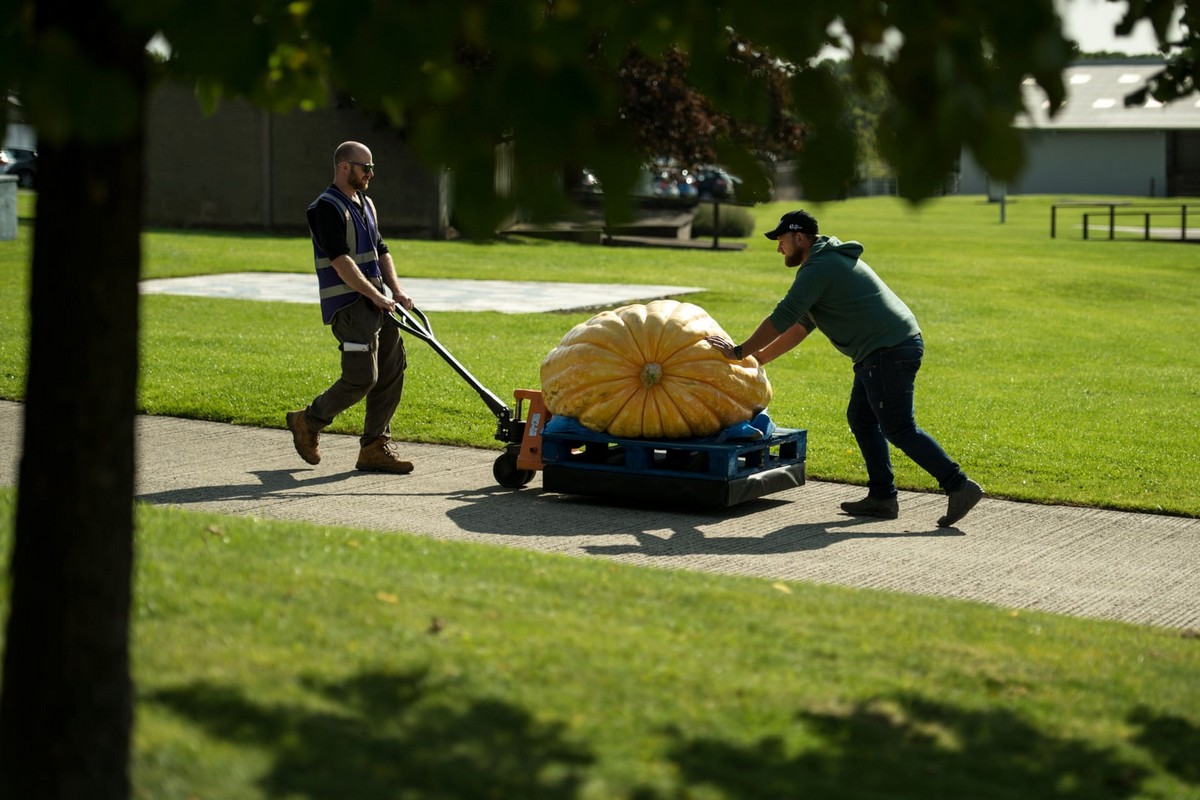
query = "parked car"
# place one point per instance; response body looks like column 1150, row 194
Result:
column 715, row 183
column 653, row 182
column 656, row 183
column 21, row 162
column 686, row 181
column 665, row 185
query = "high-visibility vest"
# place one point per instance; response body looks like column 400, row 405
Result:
column 362, row 234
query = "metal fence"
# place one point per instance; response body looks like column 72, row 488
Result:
column 1172, row 219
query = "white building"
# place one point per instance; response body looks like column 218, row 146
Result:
column 16, row 133
column 1097, row 145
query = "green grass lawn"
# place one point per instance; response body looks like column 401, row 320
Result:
column 1057, row 370
column 280, row 660
column 286, row 660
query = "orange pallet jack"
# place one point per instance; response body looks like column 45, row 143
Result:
column 522, row 435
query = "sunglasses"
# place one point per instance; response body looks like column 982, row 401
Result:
column 366, row 167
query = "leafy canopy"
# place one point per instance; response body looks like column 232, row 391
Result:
column 603, row 83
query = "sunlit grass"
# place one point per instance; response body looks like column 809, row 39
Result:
column 278, row 659
column 1057, row 370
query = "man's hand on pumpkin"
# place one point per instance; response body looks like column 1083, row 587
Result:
column 725, row 346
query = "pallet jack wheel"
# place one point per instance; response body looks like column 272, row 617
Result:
column 505, row 469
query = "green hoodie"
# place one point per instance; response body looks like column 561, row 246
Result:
column 838, row 293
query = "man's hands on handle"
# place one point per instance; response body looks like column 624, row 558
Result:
column 388, row 268
column 388, row 304
column 352, row 276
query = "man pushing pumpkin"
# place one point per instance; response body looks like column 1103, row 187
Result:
column 836, row 292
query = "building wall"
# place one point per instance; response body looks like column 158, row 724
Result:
column 18, row 134
column 1105, row 162
column 1183, row 155
column 244, row 168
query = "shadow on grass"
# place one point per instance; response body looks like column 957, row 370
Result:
column 376, row 736
column 909, row 747
column 379, row 735
column 1173, row 741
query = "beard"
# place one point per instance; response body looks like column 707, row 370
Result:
column 793, row 260
column 358, row 180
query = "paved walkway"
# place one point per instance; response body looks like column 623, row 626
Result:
column 515, row 297
column 1086, row 562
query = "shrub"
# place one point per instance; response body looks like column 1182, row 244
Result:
column 735, row 221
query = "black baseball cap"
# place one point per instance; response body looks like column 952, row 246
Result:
column 794, row 222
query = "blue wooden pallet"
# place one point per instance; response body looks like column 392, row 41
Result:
column 685, row 458
column 673, row 470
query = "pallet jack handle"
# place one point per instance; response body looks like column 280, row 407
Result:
column 521, row 458
column 415, row 322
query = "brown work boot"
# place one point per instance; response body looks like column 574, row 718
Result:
column 304, row 437
column 380, row 456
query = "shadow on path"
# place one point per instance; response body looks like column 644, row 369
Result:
column 793, row 539
column 663, row 529
column 270, row 483
column 657, row 530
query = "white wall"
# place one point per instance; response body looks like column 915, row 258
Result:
column 18, row 134
column 1105, row 162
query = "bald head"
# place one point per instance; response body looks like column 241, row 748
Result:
column 351, row 151
column 352, row 167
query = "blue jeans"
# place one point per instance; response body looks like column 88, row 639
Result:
column 881, row 411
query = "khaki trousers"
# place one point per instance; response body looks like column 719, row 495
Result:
column 373, row 364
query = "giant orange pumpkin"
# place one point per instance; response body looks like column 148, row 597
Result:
column 645, row 371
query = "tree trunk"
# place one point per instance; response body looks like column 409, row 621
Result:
column 66, row 708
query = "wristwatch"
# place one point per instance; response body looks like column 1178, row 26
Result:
column 737, row 352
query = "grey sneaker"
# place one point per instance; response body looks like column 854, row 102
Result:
column 960, row 503
column 884, row 508
column 303, row 437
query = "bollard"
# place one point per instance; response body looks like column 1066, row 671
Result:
column 8, row 208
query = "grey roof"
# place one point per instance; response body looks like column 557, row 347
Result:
column 1096, row 92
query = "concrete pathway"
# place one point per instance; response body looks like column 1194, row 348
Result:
column 514, row 297
column 1138, row 568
